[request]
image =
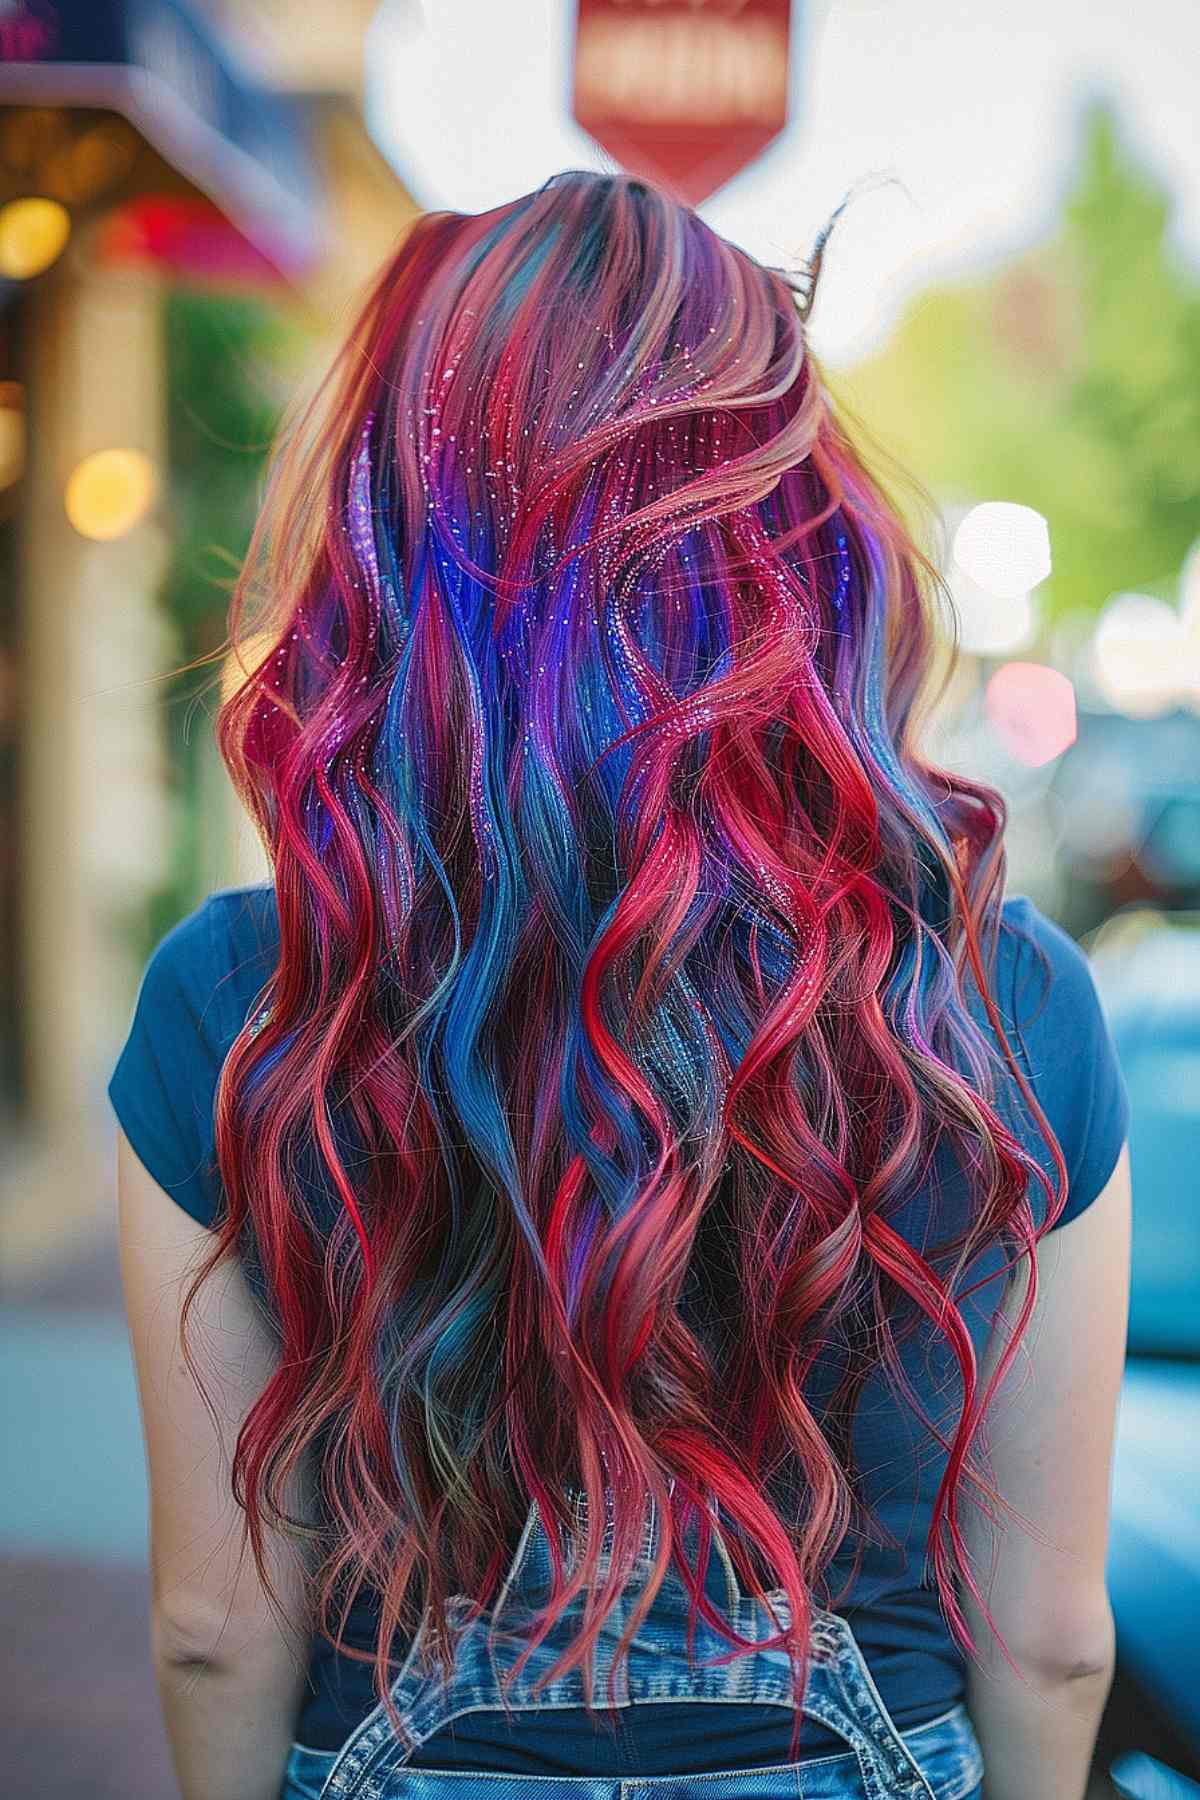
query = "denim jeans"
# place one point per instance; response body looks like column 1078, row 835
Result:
column 939, row 1760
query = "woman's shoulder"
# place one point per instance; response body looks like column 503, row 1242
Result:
column 245, row 930
column 1028, row 934
column 196, row 989
column 1039, row 967
column 246, row 914
column 1055, row 1021
column 218, row 954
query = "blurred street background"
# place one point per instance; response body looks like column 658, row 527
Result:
column 192, row 197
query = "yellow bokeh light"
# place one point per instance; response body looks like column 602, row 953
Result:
column 109, row 492
column 33, row 234
column 12, row 432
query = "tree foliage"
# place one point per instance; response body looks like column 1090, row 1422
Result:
column 1067, row 379
column 232, row 360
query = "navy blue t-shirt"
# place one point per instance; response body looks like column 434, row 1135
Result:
column 196, row 994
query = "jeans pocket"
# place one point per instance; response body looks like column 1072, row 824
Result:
column 306, row 1773
column 948, row 1755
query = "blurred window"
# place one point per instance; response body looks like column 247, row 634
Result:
column 1151, row 986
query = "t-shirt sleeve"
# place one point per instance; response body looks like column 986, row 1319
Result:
column 164, row 1084
column 1070, row 1058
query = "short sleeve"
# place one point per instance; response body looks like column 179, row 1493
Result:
column 163, row 1086
column 1069, row 1056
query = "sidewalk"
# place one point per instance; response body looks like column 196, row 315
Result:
column 80, row 1716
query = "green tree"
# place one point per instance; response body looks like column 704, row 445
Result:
column 232, row 361
column 1068, row 380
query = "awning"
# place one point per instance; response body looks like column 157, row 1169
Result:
column 165, row 70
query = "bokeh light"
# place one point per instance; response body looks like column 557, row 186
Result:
column 1031, row 708
column 1189, row 613
column 988, row 625
column 1004, row 548
column 109, row 492
column 12, row 432
column 33, row 234
column 1142, row 655
column 92, row 163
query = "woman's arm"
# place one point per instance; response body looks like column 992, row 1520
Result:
column 229, row 1682
column 1050, row 1434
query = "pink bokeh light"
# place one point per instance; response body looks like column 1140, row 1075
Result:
column 1032, row 711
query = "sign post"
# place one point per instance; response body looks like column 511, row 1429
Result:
column 684, row 92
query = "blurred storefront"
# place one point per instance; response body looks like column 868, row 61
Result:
column 160, row 171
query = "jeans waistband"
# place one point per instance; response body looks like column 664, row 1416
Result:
column 494, row 1667
column 946, row 1751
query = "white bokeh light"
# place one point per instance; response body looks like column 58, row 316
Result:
column 1003, row 548
column 988, row 625
column 1189, row 611
column 1143, row 657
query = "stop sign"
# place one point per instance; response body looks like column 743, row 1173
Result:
column 685, row 92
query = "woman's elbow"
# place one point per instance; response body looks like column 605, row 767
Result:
column 1074, row 1642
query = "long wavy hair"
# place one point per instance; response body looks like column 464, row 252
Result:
column 617, row 905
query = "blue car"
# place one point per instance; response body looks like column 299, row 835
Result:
column 1148, row 970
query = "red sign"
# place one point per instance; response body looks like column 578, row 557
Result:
column 685, row 92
